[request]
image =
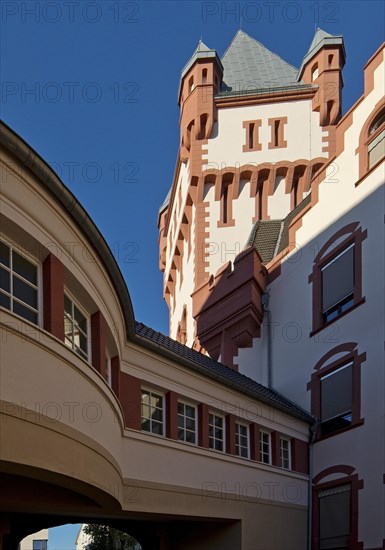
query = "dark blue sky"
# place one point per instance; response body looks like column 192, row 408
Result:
column 92, row 86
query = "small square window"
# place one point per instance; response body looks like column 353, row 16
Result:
column 187, row 422
column 152, row 412
column 216, row 432
column 242, row 440
column 265, row 447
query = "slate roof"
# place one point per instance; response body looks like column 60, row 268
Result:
column 270, row 237
column 225, row 375
column 248, row 65
column 320, row 39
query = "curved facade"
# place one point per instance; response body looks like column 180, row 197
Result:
column 102, row 418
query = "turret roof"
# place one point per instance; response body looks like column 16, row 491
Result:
column 248, row 65
column 321, row 39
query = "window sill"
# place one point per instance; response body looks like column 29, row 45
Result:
column 369, row 171
column 326, row 325
column 356, row 424
column 230, row 223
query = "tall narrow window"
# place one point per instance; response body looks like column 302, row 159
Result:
column 276, row 132
column 204, row 76
column 284, row 453
column 216, row 432
column 75, row 328
column 242, row 440
column 252, row 135
column 265, row 447
column 187, row 422
column 18, row 283
column 152, row 412
column 225, row 203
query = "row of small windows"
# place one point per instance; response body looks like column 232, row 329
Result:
column 153, row 421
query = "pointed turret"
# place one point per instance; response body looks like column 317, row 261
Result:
column 200, row 80
column 323, row 65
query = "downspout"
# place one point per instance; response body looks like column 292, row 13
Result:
column 312, row 437
column 265, row 303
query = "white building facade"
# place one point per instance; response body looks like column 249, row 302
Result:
column 272, row 247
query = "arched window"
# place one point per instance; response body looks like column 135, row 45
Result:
column 376, row 144
column 337, row 276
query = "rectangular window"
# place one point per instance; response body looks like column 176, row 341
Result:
column 376, row 149
column 152, row 412
column 39, row 545
column 284, row 453
column 75, row 328
column 334, row 518
column 242, row 440
column 265, row 447
column 338, row 284
column 187, row 422
column 18, row 283
column 216, row 432
column 337, row 399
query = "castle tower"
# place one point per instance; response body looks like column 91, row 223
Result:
column 242, row 168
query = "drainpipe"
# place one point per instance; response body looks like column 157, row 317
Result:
column 312, row 437
column 265, row 303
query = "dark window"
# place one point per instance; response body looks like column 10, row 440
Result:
column 242, row 440
column 152, row 412
column 336, row 399
column 216, row 432
column 337, row 276
column 39, row 545
column 186, row 422
column 334, row 518
column 338, row 284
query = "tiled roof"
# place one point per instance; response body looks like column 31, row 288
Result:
column 225, row 375
column 270, row 237
column 264, row 237
column 249, row 65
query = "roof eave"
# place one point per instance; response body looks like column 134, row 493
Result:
column 20, row 149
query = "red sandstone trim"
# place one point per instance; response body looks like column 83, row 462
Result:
column 53, row 296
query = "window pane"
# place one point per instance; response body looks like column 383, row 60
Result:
column 377, row 149
column 190, row 423
column 335, row 519
column 5, row 301
column 67, row 305
column 337, row 393
column 180, row 408
column 338, row 279
column 80, row 319
column 25, row 312
column 4, row 279
column 157, row 428
column 24, row 268
column 190, row 411
column 4, row 254
column 24, row 292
